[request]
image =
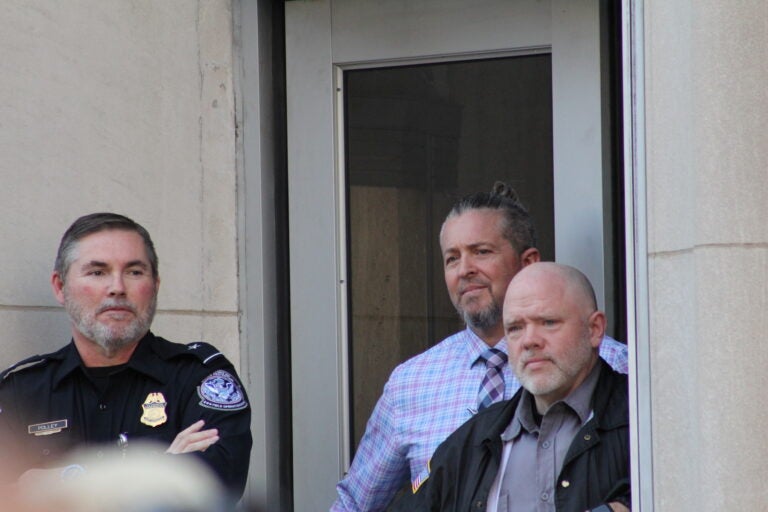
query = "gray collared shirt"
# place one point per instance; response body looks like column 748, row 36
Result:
column 533, row 454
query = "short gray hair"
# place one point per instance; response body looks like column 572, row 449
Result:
column 94, row 223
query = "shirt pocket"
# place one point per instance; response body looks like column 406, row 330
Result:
column 47, row 449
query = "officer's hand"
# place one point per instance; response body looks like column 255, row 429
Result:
column 193, row 439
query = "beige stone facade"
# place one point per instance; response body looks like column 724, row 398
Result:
column 125, row 107
column 707, row 171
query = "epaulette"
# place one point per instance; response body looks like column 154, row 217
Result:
column 204, row 351
column 23, row 365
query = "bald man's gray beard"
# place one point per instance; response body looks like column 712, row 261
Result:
column 110, row 338
column 484, row 319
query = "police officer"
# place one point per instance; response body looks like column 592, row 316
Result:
column 116, row 382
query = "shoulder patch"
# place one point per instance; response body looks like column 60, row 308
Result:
column 22, row 365
column 221, row 391
column 204, row 351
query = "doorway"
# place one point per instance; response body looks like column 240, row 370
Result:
column 353, row 163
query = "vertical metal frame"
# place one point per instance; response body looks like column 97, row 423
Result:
column 314, row 257
column 635, row 216
column 260, row 220
column 578, row 147
column 343, row 289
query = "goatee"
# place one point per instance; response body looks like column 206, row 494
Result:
column 110, row 338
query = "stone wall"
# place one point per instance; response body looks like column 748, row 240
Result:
column 125, row 106
column 707, row 170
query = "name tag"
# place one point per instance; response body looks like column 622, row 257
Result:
column 47, row 428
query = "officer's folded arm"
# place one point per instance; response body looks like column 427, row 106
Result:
column 194, row 439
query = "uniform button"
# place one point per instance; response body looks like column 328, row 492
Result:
column 102, row 407
column 545, row 444
column 587, row 437
column 565, row 484
column 480, row 505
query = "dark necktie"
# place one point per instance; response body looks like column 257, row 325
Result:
column 492, row 387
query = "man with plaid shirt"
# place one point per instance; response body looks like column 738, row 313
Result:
column 485, row 240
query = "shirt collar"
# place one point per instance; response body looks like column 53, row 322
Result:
column 144, row 359
column 70, row 361
column 141, row 361
column 581, row 398
column 476, row 347
column 580, row 401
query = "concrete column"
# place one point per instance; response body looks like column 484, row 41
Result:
column 707, row 169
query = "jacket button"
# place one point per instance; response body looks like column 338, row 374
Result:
column 479, row 504
column 565, row 484
column 587, row 437
column 102, row 407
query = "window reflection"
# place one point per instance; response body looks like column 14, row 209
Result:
column 417, row 138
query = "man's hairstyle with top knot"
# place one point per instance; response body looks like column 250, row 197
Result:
column 518, row 226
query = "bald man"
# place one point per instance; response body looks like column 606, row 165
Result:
column 562, row 442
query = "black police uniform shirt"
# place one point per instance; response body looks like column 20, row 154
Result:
column 51, row 404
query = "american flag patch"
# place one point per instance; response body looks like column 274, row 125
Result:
column 421, row 478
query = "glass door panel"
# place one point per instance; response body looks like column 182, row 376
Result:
column 483, row 90
column 418, row 138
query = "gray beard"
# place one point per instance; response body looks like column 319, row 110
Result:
column 483, row 320
column 109, row 338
